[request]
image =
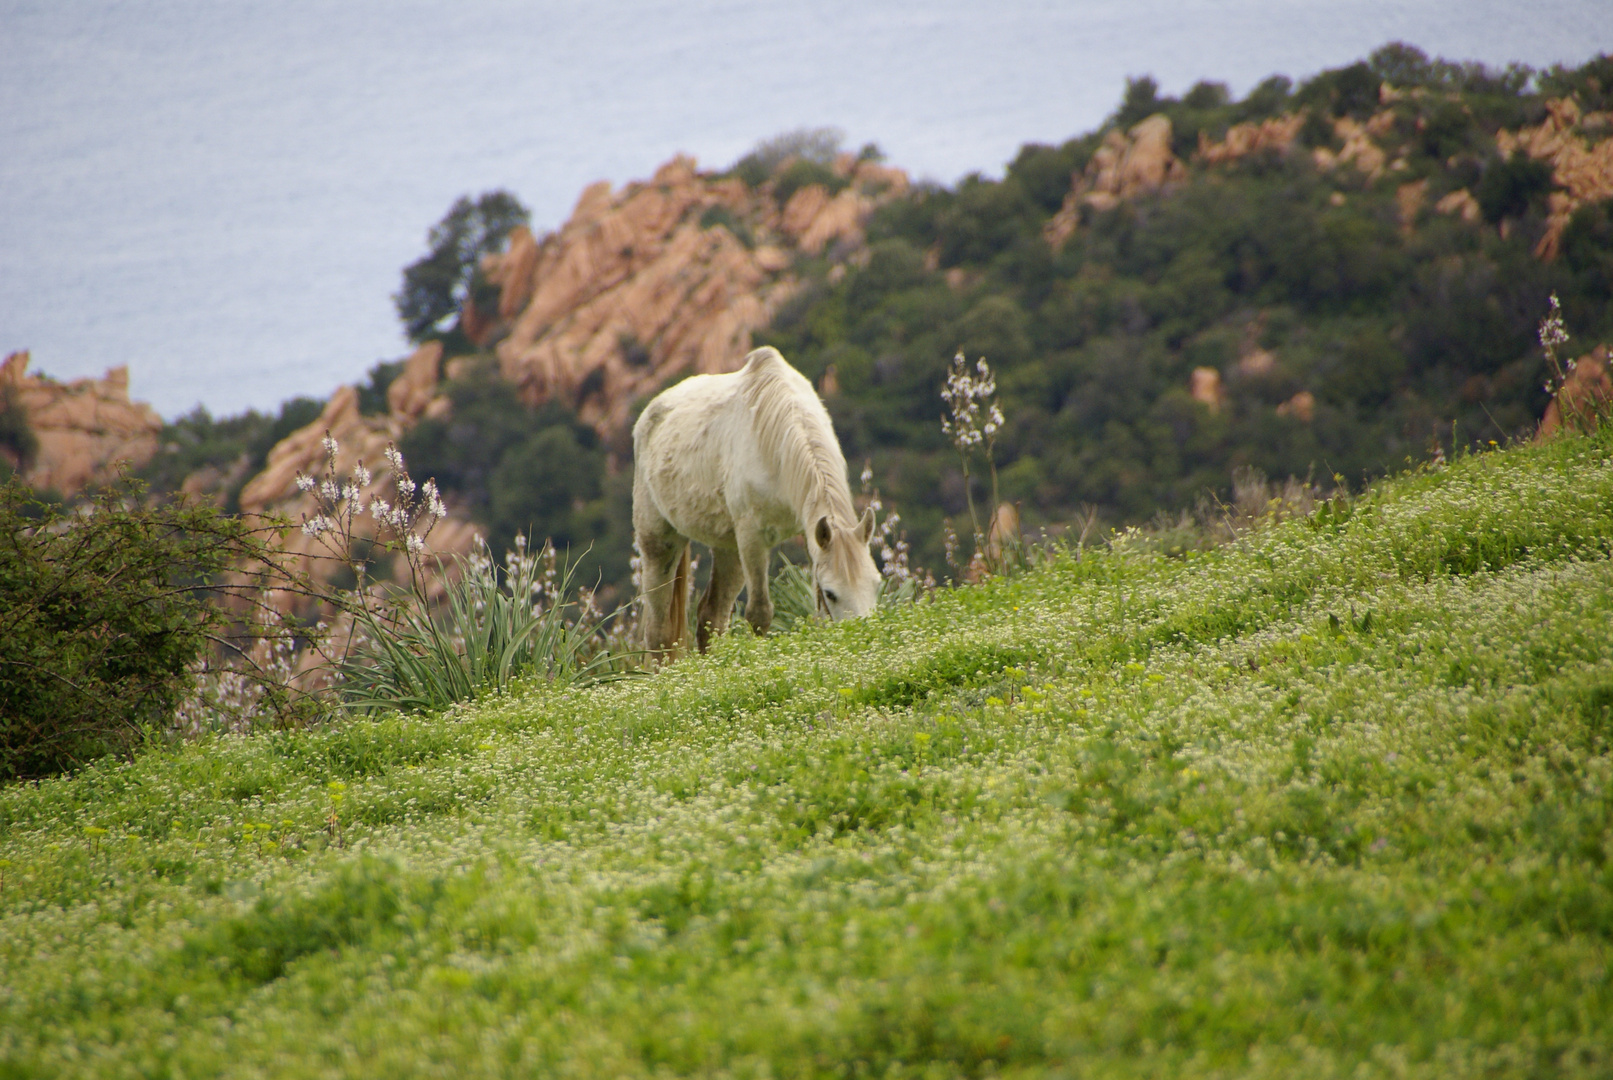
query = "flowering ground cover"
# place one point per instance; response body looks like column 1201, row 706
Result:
column 1332, row 800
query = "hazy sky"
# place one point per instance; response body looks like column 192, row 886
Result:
column 222, row 196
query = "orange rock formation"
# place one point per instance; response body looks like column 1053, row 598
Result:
column 1277, row 133
column 84, row 427
column 653, row 282
column 1127, row 164
column 359, row 438
column 1584, row 399
column 1583, row 173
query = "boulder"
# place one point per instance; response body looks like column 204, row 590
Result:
column 1277, row 134
column 1584, row 399
column 1205, row 386
column 85, row 428
column 1460, row 202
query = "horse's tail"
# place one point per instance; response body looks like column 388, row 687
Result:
column 678, row 613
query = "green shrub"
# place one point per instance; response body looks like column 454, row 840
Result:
column 102, row 611
column 804, row 172
column 1510, row 187
column 18, row 444
column 234, row 448
column 719, row 215
column 816, row 145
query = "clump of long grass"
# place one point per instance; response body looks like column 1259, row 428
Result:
column 494, row 625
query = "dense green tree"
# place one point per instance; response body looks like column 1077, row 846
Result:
column 234, row 447
column 436, row 286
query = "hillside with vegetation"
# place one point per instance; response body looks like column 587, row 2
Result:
column 1325, row 280
column 1331, row 800
column 1320, row 280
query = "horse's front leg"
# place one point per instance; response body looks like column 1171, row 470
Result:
column 717, row 605
column 663, row 555
column 754, row 553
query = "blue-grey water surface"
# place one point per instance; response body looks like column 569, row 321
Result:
column 222, row 195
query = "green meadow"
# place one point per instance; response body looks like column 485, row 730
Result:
column 1332, row 800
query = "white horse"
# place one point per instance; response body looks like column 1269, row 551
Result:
column 741, row 462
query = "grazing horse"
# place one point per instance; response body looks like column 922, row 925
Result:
column 741, row 462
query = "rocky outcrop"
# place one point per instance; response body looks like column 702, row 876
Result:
column 1301, row 407
column 84, row 428
column 1409, row 201
column 1461, row 203
column 1360, row 147
column 663, row 279
column 1582, row 172
column 1205, row 386
column 1127, row 164
column 1274, row 134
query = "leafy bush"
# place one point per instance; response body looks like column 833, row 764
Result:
column 817, row 146
column 718, row 215
column 1509, row 188
column 102, row 612
column 534, row 472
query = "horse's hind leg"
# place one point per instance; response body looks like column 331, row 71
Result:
column 664, row 555
column 718, row 604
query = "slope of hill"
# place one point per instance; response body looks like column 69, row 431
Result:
column 1332, row 800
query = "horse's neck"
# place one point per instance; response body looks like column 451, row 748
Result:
column 793, row 431
column 821, row 489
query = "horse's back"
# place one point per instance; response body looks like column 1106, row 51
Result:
column 680, row 447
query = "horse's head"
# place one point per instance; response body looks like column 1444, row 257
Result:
column 842, row 569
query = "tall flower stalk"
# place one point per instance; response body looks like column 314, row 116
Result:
column 1553, row 334
column 974, row 422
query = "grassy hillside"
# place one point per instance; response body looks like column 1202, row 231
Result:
column 1331, row 801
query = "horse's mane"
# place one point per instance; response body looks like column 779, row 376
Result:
column 795, row 436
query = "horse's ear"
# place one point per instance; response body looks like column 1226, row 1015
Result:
column 821, row 533
column 865, row 527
